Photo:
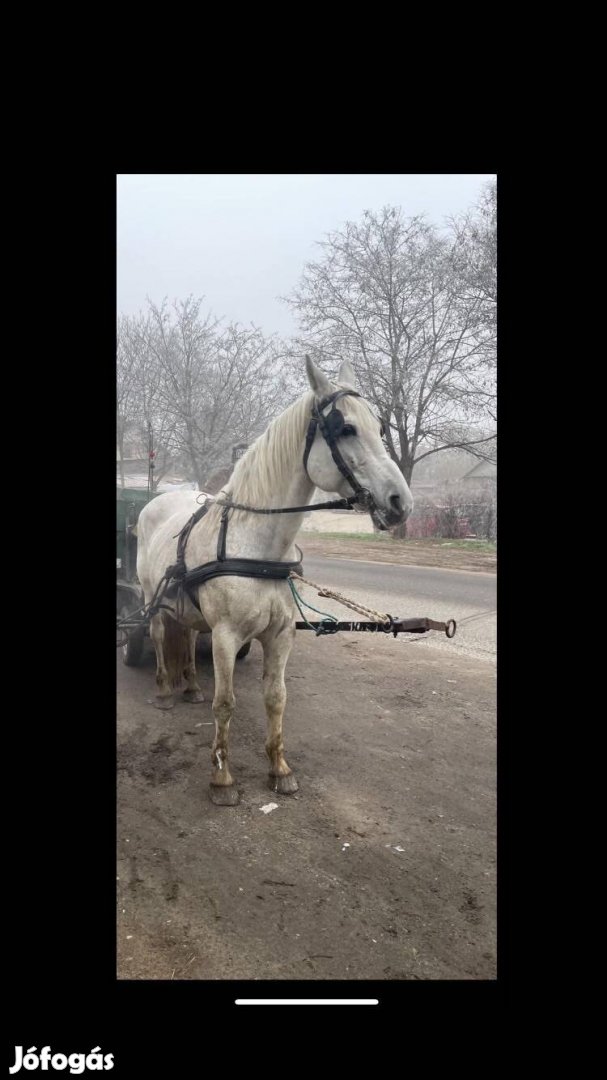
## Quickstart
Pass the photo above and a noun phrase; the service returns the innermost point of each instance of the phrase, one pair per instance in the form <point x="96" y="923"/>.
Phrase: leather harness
<point x="177" y="577"/>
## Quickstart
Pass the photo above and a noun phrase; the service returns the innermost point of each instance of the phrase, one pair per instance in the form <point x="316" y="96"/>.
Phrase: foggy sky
<point x="241" y="240"/>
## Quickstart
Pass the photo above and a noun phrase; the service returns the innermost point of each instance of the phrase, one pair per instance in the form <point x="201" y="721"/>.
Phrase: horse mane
<point x="268" y="464"/>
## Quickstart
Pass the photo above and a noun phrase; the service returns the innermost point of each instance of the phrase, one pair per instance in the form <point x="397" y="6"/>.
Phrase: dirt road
<point x="381" y="867"/>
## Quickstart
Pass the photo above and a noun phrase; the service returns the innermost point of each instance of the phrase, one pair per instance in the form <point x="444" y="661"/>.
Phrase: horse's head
<point x="344" y="449"/>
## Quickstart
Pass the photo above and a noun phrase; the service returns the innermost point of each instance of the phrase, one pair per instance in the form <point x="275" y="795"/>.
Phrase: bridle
<point x="331" y="427"/>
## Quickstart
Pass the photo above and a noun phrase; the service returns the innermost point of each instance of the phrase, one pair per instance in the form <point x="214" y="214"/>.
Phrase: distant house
<point x="426" y="492"/>
<point x="481" y="477"/>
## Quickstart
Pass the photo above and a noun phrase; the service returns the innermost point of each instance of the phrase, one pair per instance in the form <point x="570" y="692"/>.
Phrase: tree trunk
<point x="399" y="532"/>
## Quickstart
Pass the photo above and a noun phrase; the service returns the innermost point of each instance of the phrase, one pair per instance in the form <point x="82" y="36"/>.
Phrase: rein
<point x="334" y="504"/>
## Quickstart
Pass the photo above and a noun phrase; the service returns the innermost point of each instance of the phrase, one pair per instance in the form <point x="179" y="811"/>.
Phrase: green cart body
<point x="129" y="594"/>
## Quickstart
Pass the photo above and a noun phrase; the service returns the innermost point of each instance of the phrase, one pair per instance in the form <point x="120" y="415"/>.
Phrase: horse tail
<point x="175" y="647"/>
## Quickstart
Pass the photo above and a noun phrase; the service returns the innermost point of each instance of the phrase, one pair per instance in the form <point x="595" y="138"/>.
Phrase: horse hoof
<point x="193" y="696"/>
<point x="224" y="795"/>
<point x="284" y="785"/>
<point x="164" y="703"/>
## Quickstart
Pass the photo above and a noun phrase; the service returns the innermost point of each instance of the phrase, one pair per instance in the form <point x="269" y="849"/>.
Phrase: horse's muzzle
<point x="389" y="517"/>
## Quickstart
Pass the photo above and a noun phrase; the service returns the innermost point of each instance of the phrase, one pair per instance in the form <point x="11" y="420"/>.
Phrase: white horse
<point x="281" y="468"/>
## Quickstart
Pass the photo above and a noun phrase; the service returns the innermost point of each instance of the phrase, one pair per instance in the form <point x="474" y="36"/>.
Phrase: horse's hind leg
<point x="223" y="790"/>
<point x="192" y="691"/>
<point x="164" y="692"/>
<point x="276" y="650"/>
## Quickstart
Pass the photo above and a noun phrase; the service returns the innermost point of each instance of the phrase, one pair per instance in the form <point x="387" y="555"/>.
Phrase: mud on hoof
<point x="284" y="785"/>
<point x="224" y="794"/>
<point x="164" y="702"/>
<point x="193" y="696"/>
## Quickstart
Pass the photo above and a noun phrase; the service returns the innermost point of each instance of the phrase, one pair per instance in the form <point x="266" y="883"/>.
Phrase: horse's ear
<point x="318" y="381"/>
<point x="346" y="375"/>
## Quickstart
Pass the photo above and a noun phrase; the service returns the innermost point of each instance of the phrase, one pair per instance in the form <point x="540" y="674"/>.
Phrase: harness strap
<point x="330" y="439"/>
<point x="317" y="417"/>
<point x="182" y="538"/>
<point x="333" y="504"/>
<point x="251" y="568"/>
<point x="223" y="534"/>
<point x="178" y="578"/>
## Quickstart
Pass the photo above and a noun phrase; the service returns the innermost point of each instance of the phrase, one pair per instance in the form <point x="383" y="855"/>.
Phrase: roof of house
<point x="481" y="470"/>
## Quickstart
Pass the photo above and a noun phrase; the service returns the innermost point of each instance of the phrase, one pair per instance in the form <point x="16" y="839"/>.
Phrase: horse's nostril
<point x="400" y="507"/>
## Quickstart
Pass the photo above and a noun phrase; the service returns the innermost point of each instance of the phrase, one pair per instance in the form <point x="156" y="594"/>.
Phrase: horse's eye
<point x="349" y="429"/>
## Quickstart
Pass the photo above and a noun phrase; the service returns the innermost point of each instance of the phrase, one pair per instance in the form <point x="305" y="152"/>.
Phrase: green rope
<point x="297" y="598"/>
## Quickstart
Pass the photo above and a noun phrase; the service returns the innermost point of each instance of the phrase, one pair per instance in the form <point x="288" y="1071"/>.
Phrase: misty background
<point x="225" y="281"/>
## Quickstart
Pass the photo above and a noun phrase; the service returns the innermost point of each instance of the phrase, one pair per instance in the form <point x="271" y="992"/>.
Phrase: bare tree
<point x="123" y="390"/>
<point x="128" y="384"/>
<point x="474" y="261"/>
<point x="474" y="253"/>
<point x="388" y="294"/>
<point x="139" y="397"/>
<point x="203" y="387"/>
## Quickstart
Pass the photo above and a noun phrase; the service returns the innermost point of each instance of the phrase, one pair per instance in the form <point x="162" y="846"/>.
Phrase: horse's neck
<point x="270" y="536"/>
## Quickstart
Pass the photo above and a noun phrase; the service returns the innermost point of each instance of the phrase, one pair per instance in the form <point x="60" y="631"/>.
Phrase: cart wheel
<point x="132" y="650"/>
<point x="240" y="655"/>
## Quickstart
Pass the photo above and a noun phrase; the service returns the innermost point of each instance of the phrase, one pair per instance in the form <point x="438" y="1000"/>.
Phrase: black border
<point x="62" y="948"/>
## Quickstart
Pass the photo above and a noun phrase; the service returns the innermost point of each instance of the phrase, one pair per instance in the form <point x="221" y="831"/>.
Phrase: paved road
<point x="409" y="591"/>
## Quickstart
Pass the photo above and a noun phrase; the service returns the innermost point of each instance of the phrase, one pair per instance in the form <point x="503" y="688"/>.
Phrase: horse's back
<point x="158" y="524"/>
<point x="164" y="507"/>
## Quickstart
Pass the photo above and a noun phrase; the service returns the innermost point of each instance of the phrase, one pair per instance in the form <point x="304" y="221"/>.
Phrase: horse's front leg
<point x="225" y="646"/>
<point x="276" y="651"/>
<point x="192" y="691"/>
